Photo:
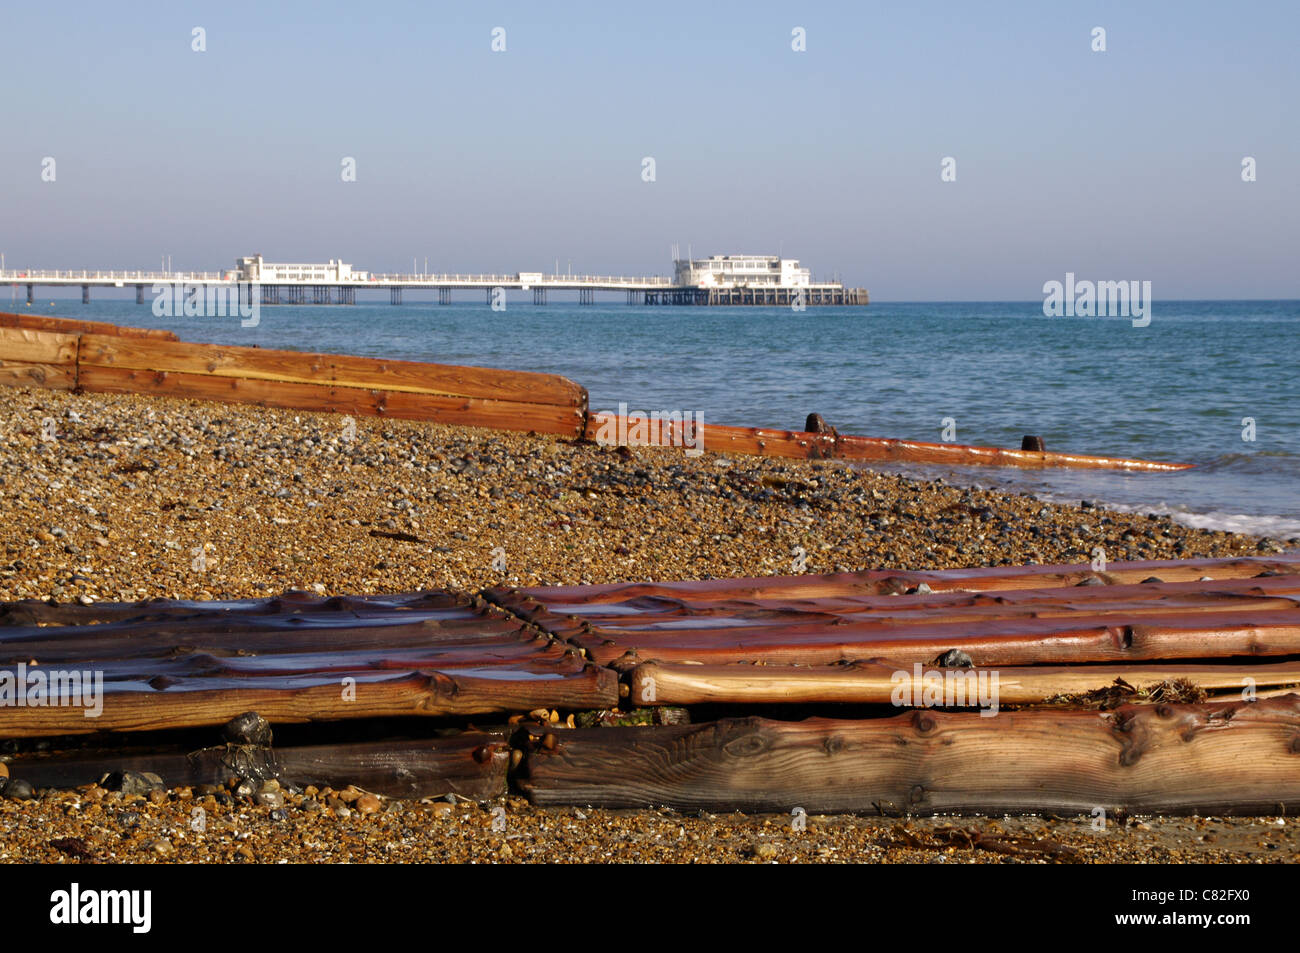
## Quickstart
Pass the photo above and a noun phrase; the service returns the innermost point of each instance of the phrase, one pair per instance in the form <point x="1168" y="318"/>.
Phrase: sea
<point x="1211" y="383"/>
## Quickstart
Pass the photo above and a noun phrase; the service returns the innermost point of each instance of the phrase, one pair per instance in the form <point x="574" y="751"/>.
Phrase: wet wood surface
<point x="884" y="683"/>
<point x="1135" y="612"/>
<point x="177" y="665"/>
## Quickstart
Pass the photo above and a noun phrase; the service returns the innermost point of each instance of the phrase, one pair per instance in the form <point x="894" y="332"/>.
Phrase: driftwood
<point x="556" y="599"/>
<point x="294" y="601"/>
<point x="874" y="683"/>
<point x="138" y="706"/>
<point x="1208" y="759"/>
<point x="291" y="659"/>
<point x="1049" y="641"/>
<point x="471" y="764"/>
<point x="1012" y="616"/>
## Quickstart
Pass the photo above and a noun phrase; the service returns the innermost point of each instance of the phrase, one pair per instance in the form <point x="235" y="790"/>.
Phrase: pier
<point x="337" y="283"/>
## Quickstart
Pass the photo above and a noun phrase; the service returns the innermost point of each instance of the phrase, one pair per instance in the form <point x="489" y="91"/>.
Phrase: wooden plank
<point x="522" y="387"/>
<point x="1238" y="758"/>
<point x="612" y="430"/>
<point x="49" y="376"/>
<point x="470" y="764"/>
<point x="999" y="642"/>
<point x="423" y="694"/>
<point x="470" y="412"/>
<point x="231" y="634"/>
<point x="294" y="658"/>
<point x="37" y="347"/>
<point x="870" y="683"/>
<point x="45" y="322"/>
<point x="804" y="445"/>
<point x="291" y="602"/>
<point x="913" y="451"/>
<point x="667" y="618"/>
<point x="557" y="599"/>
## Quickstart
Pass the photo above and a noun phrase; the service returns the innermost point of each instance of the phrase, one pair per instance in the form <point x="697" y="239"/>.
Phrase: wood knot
<point x="923" y="722"/>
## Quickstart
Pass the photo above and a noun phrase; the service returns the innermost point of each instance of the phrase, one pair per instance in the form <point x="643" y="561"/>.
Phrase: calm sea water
<point x="1175" y="390"/>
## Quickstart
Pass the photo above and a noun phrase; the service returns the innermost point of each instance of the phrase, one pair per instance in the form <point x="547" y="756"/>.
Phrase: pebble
<point x="19" y="790"/>
<point x="272" y="799"/>
<point x="584" y="512"/>
<point x="250" y="728"/>
<point x="130" y="783"/>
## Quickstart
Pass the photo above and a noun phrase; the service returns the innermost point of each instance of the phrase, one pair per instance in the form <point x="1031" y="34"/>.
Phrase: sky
<point x="1122" y="164"/>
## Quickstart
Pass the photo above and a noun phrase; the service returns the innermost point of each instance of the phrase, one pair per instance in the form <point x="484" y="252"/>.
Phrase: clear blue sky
<point x="1117" y="165"/>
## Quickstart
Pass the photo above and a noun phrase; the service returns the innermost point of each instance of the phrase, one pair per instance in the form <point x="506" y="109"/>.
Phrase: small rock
<point x="954" y="658"/>
<point x="131" y="782"/>
<point x="250" y="728"/>
<point x="443" y="809"/>
<point x="19" y="790"/>
<point x="162" y="847"/>
<point x="367" y="804"/>
<point x="764" y="850"/>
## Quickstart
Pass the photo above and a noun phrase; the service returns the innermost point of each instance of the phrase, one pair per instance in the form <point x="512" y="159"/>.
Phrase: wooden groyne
<point x="1153" y="687"/>
<point x="39" y="351"/>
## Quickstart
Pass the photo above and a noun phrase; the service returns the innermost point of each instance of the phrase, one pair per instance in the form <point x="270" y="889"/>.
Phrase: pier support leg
<point x="539" y="295"/>
<point x="85" y="294"/>
<point x="395" y="296"/>
<point x="139" y="294"/>
<point x="444" y="296"/>
<point x="29" y="294"/>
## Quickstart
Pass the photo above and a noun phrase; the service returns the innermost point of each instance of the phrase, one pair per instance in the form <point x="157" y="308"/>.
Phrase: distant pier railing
<point x="650" y="290"/>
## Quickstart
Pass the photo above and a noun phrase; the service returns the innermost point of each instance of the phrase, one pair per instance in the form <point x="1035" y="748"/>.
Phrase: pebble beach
<point x="108" y="497"/>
